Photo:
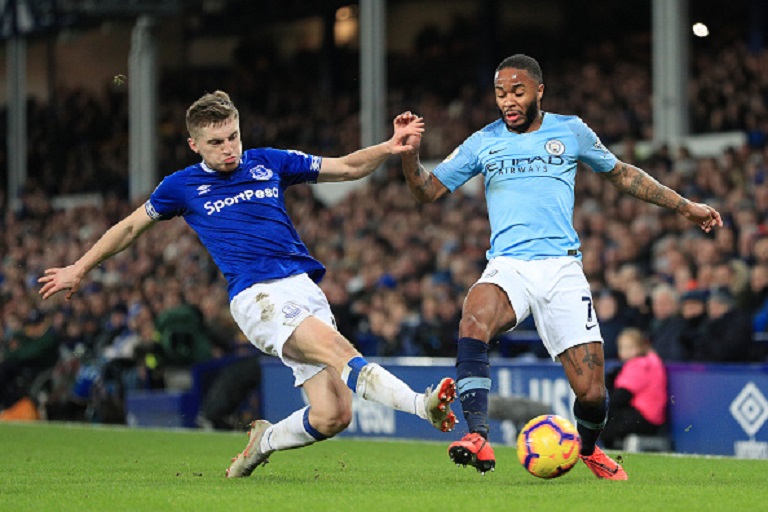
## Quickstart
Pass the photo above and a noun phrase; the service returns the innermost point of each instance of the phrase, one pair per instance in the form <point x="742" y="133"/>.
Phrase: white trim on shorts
<point x="269" y="312"/>
<point x="555" y="291"/>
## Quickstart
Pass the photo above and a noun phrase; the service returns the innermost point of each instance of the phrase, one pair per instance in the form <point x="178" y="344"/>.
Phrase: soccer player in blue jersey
<point x="528" y="160"/>
<point x="234" y="201"/>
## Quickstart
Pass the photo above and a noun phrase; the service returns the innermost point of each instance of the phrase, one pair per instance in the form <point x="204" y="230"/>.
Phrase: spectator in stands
<point x="639" y="394"/>
<point x="667" y="325"/>
<point x="757" y="302"/>
<point x="626" y="280"/>
<point x="732" y="275"/>
<point x="726" y="334"/>
<point x="380" y="336"/>
<point x="32" y="348"/>
<point x="183" y="335"/>
<point x="434" y="332"/>
<point x="693" y="309"/>
<point x="235" y="195"/>
<point x="639" y="311"/>
<point x="610" y="308"/>
<point x="114" y="339"/>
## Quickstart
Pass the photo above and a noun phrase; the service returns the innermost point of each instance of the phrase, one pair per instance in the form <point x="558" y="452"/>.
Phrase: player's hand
<point x="59" y="279"/>
<point x="408" y="131"/>
<point x="703" y="215"/>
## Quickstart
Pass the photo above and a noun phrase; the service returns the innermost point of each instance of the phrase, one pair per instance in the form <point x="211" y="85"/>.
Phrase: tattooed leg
<point x="584" y="366"/>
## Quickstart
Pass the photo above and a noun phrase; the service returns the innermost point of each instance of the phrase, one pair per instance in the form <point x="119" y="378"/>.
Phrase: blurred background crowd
<point x="397" y="271"/>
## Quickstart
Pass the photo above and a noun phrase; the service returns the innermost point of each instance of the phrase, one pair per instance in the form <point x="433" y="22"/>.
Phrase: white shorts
<point x="269" y="312"/>
<point x="555" y="291"/>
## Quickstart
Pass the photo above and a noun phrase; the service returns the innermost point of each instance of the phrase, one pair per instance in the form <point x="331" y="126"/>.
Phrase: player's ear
<point x="540" y="91"/>
<point x="192" y="145"/>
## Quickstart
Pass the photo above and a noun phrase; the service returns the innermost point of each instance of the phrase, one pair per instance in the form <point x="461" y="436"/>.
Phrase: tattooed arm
<point x="424" y="186"/>
<point x="638" y="183"/>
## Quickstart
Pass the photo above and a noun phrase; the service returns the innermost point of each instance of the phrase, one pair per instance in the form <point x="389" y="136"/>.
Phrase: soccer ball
<point x="548" y="446"/>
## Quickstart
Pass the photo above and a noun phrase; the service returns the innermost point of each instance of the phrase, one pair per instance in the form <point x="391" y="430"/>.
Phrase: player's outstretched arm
<point x="114" y="240"/>
<point x="636" y="182"/>
<point x="363" y="162"/>
<point x="423" y="185"/>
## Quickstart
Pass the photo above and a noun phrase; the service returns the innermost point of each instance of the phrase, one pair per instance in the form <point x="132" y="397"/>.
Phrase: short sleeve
<point x="168" y="199"/>
<point x="295" y="166"/>
<point x="591" y="150"/>
<point x="461" y="165"/>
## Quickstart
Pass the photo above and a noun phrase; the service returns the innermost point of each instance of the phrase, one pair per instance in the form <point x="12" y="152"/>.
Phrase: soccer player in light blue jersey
<point x="528" y="160"/>
<point x="234" y="201"/>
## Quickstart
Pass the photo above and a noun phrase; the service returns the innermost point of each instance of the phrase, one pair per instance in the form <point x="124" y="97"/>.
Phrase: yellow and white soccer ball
<point x="548" y="446"/>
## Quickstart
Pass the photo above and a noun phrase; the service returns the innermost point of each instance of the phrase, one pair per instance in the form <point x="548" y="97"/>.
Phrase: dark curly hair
<point x="524" y="62"/>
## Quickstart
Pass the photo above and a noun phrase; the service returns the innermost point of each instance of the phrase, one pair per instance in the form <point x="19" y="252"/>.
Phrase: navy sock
<point x="590" y="422"/>
<point x="473" y="381"/>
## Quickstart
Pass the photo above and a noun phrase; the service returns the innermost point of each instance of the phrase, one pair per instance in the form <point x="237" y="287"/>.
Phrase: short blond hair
<point x="637" y="338"/>
<point x="210" y="109"/>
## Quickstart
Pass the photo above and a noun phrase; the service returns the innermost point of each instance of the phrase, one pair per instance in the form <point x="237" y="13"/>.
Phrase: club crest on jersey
<point x="599" y="146"/>
<point x="291" y="310"/>
<point x="261" y="173"/>
<point x="554" y="147"/>
<point x="203" y="189"/>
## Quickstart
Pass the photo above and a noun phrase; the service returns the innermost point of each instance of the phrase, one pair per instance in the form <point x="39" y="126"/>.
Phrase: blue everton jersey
<point x="240" y="216"/>
<point x="529" y="182"/>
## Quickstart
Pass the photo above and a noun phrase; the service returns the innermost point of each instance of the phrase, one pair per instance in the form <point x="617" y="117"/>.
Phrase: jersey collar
<point x="207" y="169"/>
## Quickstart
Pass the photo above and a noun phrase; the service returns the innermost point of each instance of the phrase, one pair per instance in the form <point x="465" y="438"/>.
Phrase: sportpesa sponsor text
<point x="216" y="206"/>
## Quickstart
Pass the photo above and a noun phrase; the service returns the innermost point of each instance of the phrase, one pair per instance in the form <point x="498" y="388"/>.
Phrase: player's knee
<point x="333" y="422"/>
<point x="338" y="424"/>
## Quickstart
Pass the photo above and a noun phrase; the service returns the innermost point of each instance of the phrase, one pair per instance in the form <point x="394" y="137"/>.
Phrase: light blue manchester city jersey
<point x="529" y="182"/>
<point x="240" y="216"/>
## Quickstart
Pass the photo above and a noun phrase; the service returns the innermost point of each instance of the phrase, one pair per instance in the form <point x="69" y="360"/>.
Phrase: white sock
<point x="376" y="384"/>
<point x="291" y="432"/>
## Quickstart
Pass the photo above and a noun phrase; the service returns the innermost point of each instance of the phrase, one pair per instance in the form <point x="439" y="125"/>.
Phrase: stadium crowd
<point x="397" y="271"/>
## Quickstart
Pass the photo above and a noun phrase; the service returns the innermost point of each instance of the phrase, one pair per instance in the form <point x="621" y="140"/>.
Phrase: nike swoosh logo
<point x="612" y="471"/>
<point x="492" y="152"/>
<point x="590" y="327"/>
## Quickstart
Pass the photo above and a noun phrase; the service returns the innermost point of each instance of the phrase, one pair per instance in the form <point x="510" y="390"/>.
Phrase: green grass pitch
<point x="81" y="468"/>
